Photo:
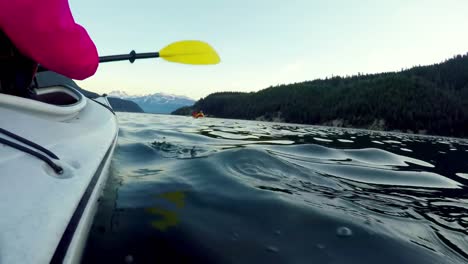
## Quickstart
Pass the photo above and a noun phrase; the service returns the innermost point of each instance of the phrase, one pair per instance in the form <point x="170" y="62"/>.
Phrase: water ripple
<point x="231" y="191"/>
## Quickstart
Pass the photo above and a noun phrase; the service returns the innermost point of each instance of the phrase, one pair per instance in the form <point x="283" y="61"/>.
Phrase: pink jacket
<point x="45" y="31"/>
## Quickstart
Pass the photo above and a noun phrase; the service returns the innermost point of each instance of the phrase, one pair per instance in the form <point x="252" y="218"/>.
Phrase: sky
<point x="264" y="43"/>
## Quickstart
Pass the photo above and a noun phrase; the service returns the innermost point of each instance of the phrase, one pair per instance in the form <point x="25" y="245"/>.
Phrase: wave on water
<point x="230" y="191"/>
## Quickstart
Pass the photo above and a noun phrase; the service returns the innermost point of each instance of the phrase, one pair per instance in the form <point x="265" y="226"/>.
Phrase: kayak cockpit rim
<point x="58" y="95"/>
<point x="55" y="101"/>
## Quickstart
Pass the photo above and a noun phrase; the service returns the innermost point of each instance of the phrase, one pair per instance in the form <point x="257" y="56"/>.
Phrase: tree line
<point x="431" y="99"/>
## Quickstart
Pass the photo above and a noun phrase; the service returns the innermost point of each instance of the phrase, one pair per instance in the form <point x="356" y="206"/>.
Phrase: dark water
<point x="227" y="191"/>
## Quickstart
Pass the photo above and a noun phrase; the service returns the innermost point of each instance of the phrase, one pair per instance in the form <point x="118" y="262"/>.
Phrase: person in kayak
<point x="196" y="114"/>
<point x="42" y="32"/>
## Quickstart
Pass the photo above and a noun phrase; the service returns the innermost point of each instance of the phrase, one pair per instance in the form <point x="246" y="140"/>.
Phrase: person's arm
<point x="46" y="32"/>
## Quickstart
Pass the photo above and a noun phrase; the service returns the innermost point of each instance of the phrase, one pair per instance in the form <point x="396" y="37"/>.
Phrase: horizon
<point x="271" y="43"/>
<point x="311" y="80"/>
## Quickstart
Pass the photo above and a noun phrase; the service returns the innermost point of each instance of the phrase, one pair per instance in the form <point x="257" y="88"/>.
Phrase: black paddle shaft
<point x="132" y="56"/>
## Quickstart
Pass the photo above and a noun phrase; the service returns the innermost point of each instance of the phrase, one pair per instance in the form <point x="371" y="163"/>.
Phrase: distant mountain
<point x="122" y="105"/>
<point x="425" y="99"/>
<point x="50" y="78"/>
<point x="158" y="103"/>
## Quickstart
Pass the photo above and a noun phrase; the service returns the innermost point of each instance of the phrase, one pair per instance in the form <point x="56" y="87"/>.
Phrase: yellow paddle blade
<point x="190" y="52"/>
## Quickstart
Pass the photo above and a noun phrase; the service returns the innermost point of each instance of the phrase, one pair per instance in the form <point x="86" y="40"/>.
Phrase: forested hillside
<point x="426" y="99"/>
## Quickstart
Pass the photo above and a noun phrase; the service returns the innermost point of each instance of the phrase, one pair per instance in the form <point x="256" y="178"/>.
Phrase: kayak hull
<point x="80" y="234"/>
<point x="46" y="216"/>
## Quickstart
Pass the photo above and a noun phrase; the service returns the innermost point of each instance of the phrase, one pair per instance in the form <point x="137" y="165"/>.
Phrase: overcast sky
<point x="268" y="42"/>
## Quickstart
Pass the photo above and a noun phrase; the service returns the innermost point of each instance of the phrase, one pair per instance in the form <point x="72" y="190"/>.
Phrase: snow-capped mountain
<point x="118" y="94"/>
<point x="158" y="103"/>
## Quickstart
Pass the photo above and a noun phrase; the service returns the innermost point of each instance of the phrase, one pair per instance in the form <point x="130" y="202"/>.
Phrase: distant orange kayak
<point x="198" y="115"/>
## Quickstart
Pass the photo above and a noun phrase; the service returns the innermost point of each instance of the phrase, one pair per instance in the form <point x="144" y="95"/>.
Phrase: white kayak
<point x="48" y="199"/>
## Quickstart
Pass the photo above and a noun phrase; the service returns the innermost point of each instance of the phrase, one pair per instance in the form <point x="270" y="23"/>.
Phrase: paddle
<point x="187" y="52"/>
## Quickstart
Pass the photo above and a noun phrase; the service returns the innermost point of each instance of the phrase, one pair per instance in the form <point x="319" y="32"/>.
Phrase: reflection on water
<point x="168" y="217"/>
<point x="230" y="191"/>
